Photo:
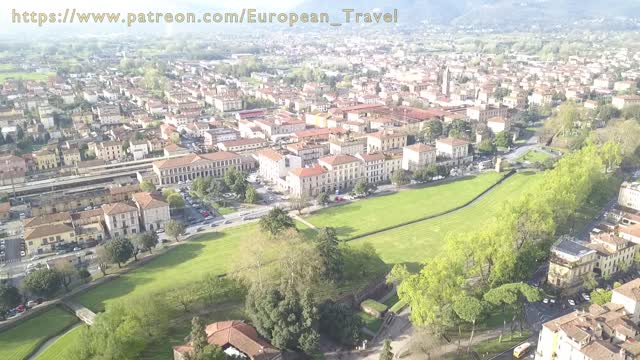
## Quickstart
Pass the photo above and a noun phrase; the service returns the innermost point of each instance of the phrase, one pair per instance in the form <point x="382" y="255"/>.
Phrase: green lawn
<point x="493" y="347"/>
<point x="24" y="76"/>
<point x="210" y="253"/>
<point x="18" y="342"/>
<point x="62" y="347"/>
<point x="533" y="156"/>
<point x="370" y="322"/>
<point x="382" y="211"/>
<point x="414" y="243"/>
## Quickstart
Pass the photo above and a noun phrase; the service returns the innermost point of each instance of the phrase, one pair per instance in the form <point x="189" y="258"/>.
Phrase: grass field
<point x="414" y="243"/>
<point x="382" y="211"/>
<point x="18" y="342"/>
<point x="61" y="348"/>
<point x="370" y="322"/>
<point x="533" y="156"/>
<point x="23" y="76"/>
<point x="210" y="253"/>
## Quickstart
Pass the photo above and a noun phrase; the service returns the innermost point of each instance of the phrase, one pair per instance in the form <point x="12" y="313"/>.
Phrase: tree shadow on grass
<point x="96" y="298"/>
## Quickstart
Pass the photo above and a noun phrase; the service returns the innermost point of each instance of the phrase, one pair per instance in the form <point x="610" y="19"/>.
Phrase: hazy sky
<point x="122" y="6"/>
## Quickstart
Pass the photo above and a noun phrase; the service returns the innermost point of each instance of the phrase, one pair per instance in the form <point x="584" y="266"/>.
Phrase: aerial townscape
<point x="462" y="182"/>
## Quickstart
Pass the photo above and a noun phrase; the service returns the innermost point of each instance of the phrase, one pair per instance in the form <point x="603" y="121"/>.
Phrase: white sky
<point x="125" y="6"/>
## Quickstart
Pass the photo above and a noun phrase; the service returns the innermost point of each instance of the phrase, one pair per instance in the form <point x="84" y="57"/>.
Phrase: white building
<point x="274" y="167"/>
<point x="417" y="156"/>
<point x="121" y="219"/>
<point x="629" y="195"/>
<point x="153" y="210"/>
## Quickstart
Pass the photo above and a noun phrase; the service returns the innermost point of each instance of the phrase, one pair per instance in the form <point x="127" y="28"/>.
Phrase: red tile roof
<point x="307" y="172"/>
<point x="240" y="336"/>
<point x="117" y="208"/>
<point x="421" y="148"/>
<point x="147" y="200"/>
<point x="338" y="159"/>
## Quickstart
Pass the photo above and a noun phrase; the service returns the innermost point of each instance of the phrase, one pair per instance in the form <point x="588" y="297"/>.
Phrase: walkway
<point x="299" y="218"/>
<point x="83" y="313"/>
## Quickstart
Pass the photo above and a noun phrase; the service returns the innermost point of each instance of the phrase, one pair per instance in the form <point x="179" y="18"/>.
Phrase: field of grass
<point x="370" y="322"/>
<point x="414" y="243"/>
<point x="382" y="211"/>
<point x="23" y="76"/>
<point x="18" y="342"/>
<point x="209" y="253"/>
<point x="61" y="348"/>
<point x="533" y="156"/>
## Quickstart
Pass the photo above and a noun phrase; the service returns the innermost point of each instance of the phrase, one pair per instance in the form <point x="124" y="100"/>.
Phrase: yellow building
<point x="46" y="238"/>
<point x="71" y="156"/>
<point x="45" y="160"/>
<point x="569" y="264"/>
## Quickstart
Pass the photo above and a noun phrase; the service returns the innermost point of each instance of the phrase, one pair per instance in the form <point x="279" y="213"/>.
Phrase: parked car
<point x="545" y="301"/>
<point x="571" y="302"/>
<point x="21" y="308"/>
<point x="31" y="303"/>
<point x="586" y="297"/>
<point x="77" y="248"/>
<point x="61" y="252"/>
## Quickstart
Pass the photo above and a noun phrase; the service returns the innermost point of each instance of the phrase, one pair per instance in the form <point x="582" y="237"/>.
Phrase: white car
<point x="571" y="302"/>
<point x="553" y="301"/>
<point x="586" y="297"/>
<point x="545" y="301"/>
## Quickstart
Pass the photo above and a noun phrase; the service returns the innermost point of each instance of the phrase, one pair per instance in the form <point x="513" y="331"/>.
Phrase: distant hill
<point x="488" y="13"/>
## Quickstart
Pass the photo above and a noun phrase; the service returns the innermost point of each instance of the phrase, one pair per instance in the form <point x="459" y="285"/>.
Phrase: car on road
<point x="227" y="222"/>
<point x="61" y="252"/>
<point x="571" y="302"/>
<point x="31" y="303"/>
<point x="213" y="225"/>
<point x="586" y="297"/>
<point x="77" y="248"/>
<point x="553" y="301"/>
<point x="545" y="301"/>
<point x="23" y="253"/>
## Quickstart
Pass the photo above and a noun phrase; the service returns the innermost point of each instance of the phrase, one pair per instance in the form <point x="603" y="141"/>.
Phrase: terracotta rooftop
<point x="147" y="200"/>
<point x="338" y="159"/>
<point x="420" y="148"/>
<point x="270" y="154"/>
<point x="46" y="230"/>
<point x="47" y="219"/>
<point x="239" y="335"/>
<point x="5" y="207"/>
<point x="452" y="142"/>
<point x="630" y="289"/>
<point x="306" y="172"/>
<point x="117" y="208"/>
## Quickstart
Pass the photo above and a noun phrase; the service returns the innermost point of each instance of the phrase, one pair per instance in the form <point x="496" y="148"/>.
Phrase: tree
<point x="590" y="282"/>
<point x="606" y="112"/>
<point x="361" y="187"/>
<point x="175" y="200"/>
<point x="631" y="112"/>
<point x="468" y="309"/>
<point x="145" y="241"/>
<point x="251" y="195"/>
<point x="340" y="323"/>
<point x="120" y="250"/>
<point x="514" y="295"/>
<point x="284" y="316"/>
<point x="601" y="296"/>
<point x="102" y="258"/>
<point x="330" y="253"/>
<point x="147" y="186"/>
<point x="386" y="353"/>
<point x="67" y="272"/>
<point x="487" y="147"/>
<point x="174" y="229"/>
<point x="298" y="203"/>
<point x="43" y="282"/>
<point x="432" y="130"/>
<point x="9" y="297"/>
<point x="400" y="177"/>
<point x="276" y="221"/>
<point x="503" y="139"/>
<point x="202" y="350"/>
<point x="323" y="198"/>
